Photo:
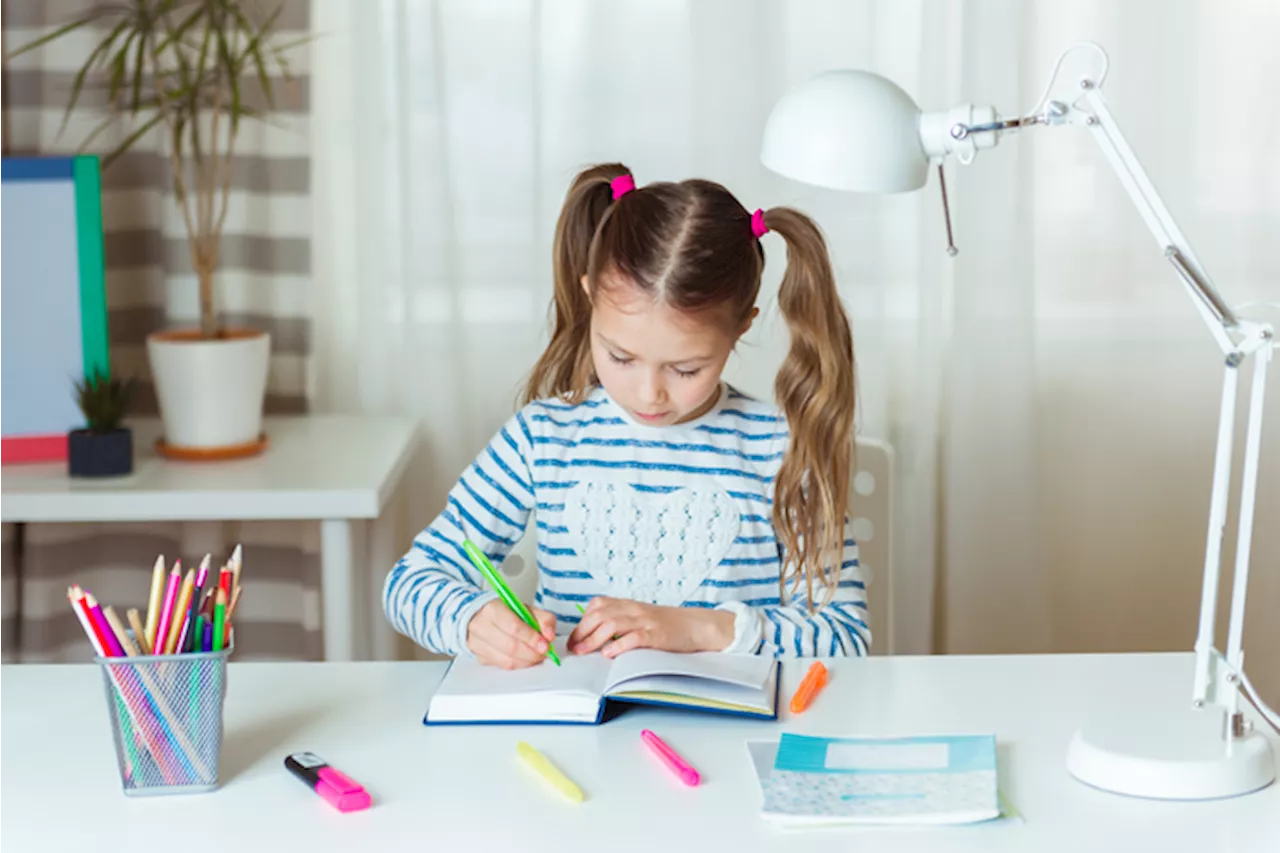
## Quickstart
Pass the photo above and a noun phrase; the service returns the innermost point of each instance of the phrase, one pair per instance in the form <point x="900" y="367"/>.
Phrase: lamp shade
<point x="847" y="130"/>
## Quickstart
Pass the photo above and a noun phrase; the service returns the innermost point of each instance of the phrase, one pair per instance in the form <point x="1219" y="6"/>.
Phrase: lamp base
<point x="1170" y="755"/>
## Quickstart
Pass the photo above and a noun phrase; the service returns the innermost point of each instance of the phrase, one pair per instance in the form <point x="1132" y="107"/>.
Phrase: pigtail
<point x="564" y="369"/>
<point x="815" y="388"/>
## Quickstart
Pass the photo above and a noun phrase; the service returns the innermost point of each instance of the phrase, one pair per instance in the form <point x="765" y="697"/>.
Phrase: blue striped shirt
<point x="678" y="515"/>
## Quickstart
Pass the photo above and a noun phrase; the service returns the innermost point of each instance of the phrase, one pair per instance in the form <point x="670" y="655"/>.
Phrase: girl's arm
<point x="793" y="630"/>
<point x="433" y="591"/>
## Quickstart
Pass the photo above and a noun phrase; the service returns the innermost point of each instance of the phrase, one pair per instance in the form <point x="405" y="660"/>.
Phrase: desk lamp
<point x="854" y="130"/>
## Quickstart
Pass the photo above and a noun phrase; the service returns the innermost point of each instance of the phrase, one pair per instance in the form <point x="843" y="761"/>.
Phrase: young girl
<point x="680" y="513"/>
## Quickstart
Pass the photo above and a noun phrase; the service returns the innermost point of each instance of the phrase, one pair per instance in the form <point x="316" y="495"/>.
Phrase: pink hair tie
<point x="758" y="227"/>
<point x="622" y="185"/>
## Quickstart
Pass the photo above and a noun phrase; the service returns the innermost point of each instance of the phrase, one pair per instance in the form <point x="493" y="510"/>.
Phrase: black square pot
<point x="99" y="454"/>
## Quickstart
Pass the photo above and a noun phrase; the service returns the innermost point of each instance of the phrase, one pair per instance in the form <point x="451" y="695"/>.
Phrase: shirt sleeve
<point x="841" y="628"/>
<point x="433" y="591"/>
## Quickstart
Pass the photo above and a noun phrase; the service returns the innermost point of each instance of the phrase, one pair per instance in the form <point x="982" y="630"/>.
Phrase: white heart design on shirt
<point x="650" y="546"/>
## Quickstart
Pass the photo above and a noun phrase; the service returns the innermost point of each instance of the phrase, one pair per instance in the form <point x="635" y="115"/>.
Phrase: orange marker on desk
<point x="814" y="680"/>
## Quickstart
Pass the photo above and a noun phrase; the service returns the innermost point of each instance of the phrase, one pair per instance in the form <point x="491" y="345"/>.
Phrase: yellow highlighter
<point x="549" y="772"/>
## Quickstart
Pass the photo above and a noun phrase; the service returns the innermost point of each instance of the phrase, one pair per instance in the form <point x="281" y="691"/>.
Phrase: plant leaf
<point x="118" y="63"/>
<point x="103" y="399"/>
<point x="174" y="34"/>
<point x="61" y="31"/>
<point x="131" y="139"/>
<point x="229" y="68"/>
<point x="78" y="84"/>
<point x="138" y="68"/>
<point x="253" y="48"/>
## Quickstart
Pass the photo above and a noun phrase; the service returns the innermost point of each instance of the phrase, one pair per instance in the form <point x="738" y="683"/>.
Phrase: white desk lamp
<point x="853" y="130"/>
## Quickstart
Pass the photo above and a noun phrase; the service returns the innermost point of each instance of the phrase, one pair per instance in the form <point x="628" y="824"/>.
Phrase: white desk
<point x="340" y="470"/>
<point x="462" y="789"/>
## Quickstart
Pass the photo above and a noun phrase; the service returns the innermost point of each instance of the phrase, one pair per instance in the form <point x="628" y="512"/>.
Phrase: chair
<point x="870" y="505"/>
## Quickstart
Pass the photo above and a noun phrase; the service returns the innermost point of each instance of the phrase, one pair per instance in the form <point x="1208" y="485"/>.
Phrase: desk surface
<point x="462" y="788"/>
<point x="315" y="467"/>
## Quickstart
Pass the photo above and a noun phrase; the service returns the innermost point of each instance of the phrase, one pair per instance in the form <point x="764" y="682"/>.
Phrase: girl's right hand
<point x="498" y="637"/>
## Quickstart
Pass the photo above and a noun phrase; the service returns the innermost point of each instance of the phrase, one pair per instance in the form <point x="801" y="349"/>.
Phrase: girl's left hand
<point x="617" y="625"/>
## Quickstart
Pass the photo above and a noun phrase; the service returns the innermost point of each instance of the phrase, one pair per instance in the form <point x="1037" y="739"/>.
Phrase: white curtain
<point x="1049" y="393"/>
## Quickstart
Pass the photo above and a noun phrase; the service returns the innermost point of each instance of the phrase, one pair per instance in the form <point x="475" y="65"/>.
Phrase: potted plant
<point x="104" y="448"/>
<point x="181" y="68"/>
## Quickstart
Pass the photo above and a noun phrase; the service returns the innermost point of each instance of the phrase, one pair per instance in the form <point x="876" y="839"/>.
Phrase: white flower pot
<point x="210" y="391"/>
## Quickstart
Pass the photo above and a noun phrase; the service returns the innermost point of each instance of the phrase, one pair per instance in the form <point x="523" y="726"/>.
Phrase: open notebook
<point x="577" y="691"/>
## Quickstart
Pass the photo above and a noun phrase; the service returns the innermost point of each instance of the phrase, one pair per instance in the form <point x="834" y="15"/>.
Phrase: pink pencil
<point x="166" y="611"/>
<point x="113" y="647"/>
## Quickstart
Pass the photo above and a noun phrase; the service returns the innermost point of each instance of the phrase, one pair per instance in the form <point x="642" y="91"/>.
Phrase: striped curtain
<point x="262" y="282"/>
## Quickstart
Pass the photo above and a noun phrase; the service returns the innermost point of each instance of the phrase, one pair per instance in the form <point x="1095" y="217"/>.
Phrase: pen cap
<point x="344" y="801"/>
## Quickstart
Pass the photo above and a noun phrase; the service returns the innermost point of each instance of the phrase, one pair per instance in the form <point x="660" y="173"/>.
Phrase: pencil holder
<point x="166" y="720"/>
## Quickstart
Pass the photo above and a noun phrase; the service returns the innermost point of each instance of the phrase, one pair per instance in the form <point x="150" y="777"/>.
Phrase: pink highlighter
<point x="669" y="757"/>
<point x="339" y="790"/>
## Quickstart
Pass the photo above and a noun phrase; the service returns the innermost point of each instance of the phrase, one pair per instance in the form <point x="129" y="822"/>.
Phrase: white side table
<point x="341" y="470"/>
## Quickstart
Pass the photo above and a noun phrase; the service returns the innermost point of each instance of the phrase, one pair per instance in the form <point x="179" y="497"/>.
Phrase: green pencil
<point x="219" y="617"/>
<point x="481" y="562"/>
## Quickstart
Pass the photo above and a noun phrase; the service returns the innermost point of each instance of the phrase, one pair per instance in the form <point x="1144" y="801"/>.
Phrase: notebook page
<point x="749" y="671"/>
<point x="472" y="691"/>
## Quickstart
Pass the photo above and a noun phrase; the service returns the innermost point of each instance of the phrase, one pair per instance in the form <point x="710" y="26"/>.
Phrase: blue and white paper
<point x="913" y="780"/>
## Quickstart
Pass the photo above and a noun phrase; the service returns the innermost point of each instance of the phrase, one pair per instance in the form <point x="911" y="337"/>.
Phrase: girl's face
<point x="661" y="365"/>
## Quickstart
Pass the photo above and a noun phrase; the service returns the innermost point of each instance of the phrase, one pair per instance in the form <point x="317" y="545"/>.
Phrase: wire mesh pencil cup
<point x="166" y="720"/>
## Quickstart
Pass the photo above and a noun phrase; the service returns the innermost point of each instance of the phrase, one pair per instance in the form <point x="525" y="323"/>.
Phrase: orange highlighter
<point x="814" y="680"/>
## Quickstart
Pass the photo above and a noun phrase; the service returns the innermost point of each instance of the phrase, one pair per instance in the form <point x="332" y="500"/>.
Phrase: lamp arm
<point x="1214" y="683"/>
<point x="1217" y="315"/>
<point x="966" y="129"/>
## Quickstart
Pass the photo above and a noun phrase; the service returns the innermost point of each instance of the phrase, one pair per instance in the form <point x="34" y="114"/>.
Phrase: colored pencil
<point x="186" y="640"/>
<point x="219" y="620"/>
<point x="76" y="594"/>
<point x="122" y="636"/>
<point x="231" y="610"/>
<point x="153" y="602"/>
<point x="167" y="719"/>
<point x="76" y="597"/>
<point x="139" y="633"/>
<point x="110" y="644"/>
<point x="156" y="740"/>
<point x="166" y="610"/>
<point x="224" y="581"/>
<point x="180" y="608"/>
<point x="237" y="558"/>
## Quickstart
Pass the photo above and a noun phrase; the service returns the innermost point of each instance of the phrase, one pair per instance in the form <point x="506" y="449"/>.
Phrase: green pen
<point x="481" y="562"/>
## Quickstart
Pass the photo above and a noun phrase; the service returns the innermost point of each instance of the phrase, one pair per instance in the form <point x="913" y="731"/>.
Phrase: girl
<point x="684" y="515"/>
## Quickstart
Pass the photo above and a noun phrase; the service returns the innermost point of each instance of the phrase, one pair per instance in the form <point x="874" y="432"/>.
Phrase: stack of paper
<point x="815" y="781"/>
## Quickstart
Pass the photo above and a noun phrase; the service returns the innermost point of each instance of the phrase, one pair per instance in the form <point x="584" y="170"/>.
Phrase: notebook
<point x="578" y="690"/>
<point x="817" y="781"/>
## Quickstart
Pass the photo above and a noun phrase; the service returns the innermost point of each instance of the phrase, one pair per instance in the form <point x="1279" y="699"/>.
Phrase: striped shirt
<point x="676" y="515"/>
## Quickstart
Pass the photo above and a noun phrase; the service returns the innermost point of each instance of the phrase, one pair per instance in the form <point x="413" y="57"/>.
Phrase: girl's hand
<point x="498" y="637"/>
<point x="617" y="625"/>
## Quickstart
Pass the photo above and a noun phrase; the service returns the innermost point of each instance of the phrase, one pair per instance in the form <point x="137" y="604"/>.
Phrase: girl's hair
<point x="693" y="246"/>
